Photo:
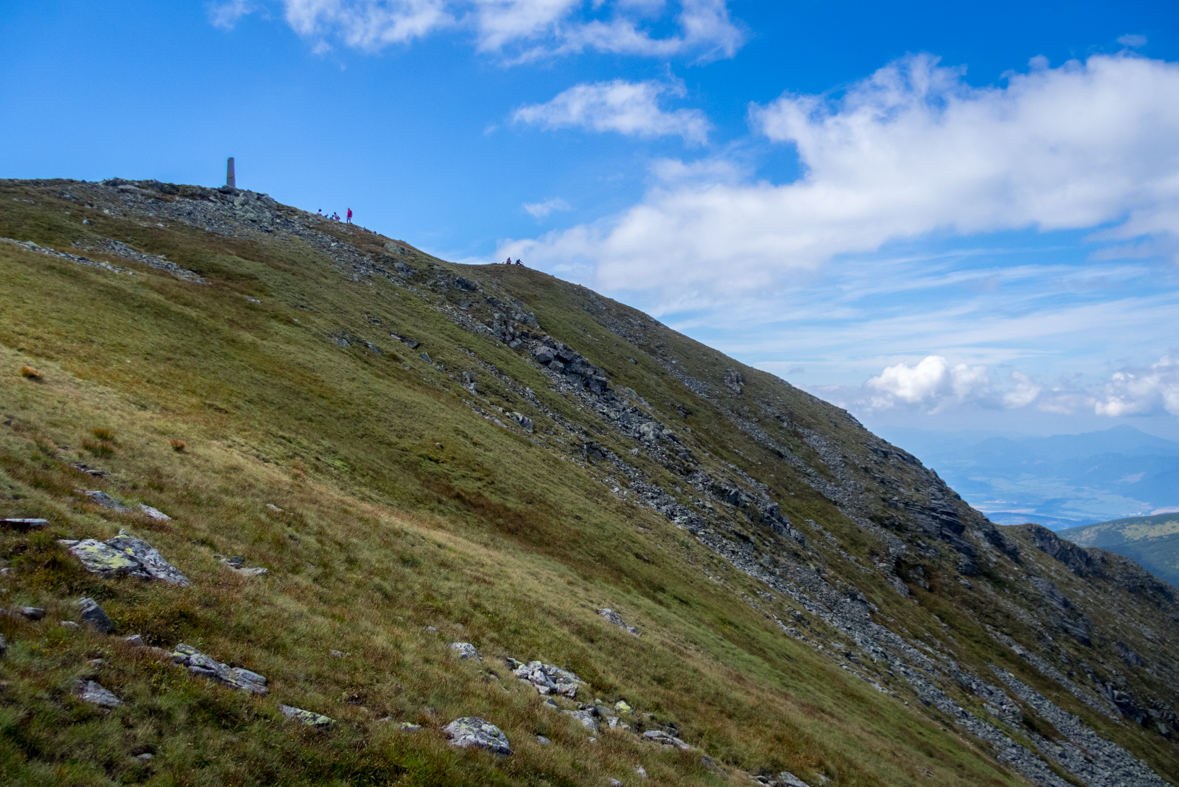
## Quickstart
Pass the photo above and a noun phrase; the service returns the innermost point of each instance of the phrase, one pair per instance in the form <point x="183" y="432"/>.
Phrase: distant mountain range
<point x="1062" y="481"/>
<point x="1151" y="541"/>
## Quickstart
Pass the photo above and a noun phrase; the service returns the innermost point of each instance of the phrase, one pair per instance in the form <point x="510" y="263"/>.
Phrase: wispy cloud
<point x="514" y="30"/>
<point x="225" y="15"/>
<point x="909" y="151"/>
<point x="630" y="108"/>
<point x="542" y="209"/>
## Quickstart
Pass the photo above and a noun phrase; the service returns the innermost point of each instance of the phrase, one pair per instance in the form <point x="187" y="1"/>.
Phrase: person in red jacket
<point x="349" y="215"/>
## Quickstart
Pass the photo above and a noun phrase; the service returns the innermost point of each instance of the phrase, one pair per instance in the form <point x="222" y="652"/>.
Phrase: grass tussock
<point x="29" y="373"/>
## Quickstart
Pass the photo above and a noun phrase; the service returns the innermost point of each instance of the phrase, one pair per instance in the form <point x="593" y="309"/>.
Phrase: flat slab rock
<point x="90" y="691"/>
<point x="477" y="732"/>
<point x="308" y="717"/>
<point x="235" y="677"/>
<point x="126" y="555"/>
<point x="23" y="523"/>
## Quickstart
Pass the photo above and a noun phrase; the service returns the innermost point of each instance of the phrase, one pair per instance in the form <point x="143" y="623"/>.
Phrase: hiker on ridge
<point x="349" y="215"/>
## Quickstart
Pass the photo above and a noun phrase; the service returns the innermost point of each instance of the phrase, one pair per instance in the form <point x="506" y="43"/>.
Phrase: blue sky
<point x="939" y="215"/>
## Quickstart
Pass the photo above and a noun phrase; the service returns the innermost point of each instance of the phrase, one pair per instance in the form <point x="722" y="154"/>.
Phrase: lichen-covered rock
<point x="106" y="561"/>
<point x="235" y="677"/>
<point x="92" y="692"/>
<point x="617" y="620"/>
<point x="152" y="563"/>
<point x="477" y="732"/>
<point x="125" y="555"/>
<point x="310" y="718"/>
<point x="465" y="650"/>
<point x="93" y="616"/>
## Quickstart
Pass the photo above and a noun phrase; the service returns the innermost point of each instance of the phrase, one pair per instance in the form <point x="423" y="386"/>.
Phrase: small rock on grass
<point x="477" y="732"/>
<point x="93" y="616"/>
<point x="617" y="620"/>
<point x="310" y="718"/>
<point x="641" y="771"/>
<point x="154" y="513"/>
<point x="465" y="650"/>
<point x="90" y="691"/>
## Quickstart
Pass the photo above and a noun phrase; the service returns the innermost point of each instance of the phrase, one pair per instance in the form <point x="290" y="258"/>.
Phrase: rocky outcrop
<point x="1093" y="563"/>
<point x="546" y="678"/>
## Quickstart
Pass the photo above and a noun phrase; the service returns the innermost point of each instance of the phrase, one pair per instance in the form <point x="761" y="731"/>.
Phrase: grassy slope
<point x="401" y="509"/>
<point x="1151" y="541"/>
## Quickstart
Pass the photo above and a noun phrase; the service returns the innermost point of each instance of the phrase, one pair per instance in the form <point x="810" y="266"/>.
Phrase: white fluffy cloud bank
<point x="911" y="150"/>
<point x="519" y="30"/>
<point x="630" y="108"/>
<point x="1142" y="391"/>
<point x="934" y="384"/>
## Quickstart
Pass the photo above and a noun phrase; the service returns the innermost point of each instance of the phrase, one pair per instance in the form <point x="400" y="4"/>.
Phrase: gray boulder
<point x="154" y="513"/>
<point x="146" y="555"/>
<point x="586" y="719"/>
<point x="90" y="691"/>
<point x="477" y="732"/>
<point x="103" y="499"/>
<point x="465" y="650"/>
<point x="93" y="616"/>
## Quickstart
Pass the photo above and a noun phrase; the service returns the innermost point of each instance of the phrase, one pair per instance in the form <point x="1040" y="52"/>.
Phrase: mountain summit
<point x="287" y="501"/>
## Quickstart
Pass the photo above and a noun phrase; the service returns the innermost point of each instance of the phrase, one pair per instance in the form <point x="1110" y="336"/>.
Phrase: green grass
<point x="401" y="509"/>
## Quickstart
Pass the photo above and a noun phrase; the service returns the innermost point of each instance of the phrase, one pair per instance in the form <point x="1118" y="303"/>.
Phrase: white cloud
<point x="1132" y="41"/>
<point x="911" y="150"/>
<point x="931" y="382"/>
<point x="366" y="24"/>
<point x="630" y="108"/>
<point x="225" y="15"/>
<point x="542" y="209"/>
<point x="1142" y="391"/>
<point x="518" y="30"/>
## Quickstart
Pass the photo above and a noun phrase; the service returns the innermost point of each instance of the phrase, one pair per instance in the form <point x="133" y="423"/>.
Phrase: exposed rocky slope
<point x="1050" y="663"/>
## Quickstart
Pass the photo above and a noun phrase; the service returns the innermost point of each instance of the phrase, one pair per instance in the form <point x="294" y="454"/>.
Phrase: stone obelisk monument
<point x="230" y="178"/>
